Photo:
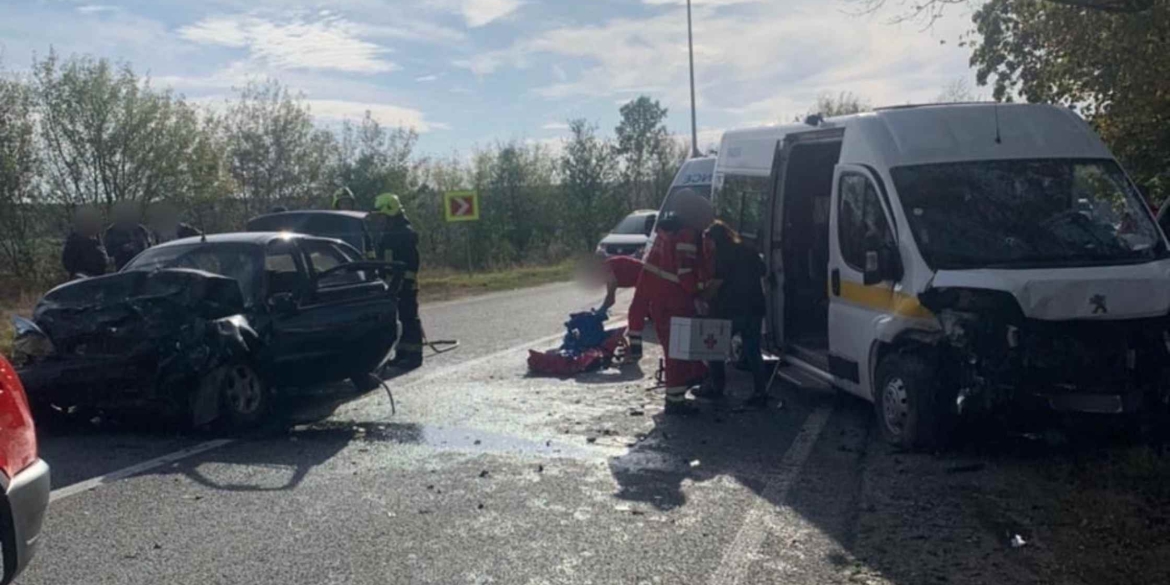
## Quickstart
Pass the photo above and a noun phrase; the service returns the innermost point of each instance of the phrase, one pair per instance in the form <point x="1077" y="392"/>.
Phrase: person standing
<point x="670" y="282"/>
<point x="84" y="255"/>
<point x="165" y="225"/>
<point x="399" y="243"/>
<point x="343" y="200"/>
<point x="624" y="272"/>
<point x="737" y="292"/>
<point x="126" y="237"/>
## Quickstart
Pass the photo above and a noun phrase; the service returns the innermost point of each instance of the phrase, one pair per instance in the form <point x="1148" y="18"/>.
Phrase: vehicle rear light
<point x="18" y="438"/>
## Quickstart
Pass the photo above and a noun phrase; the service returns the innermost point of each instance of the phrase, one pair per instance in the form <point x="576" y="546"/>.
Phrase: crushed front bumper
<point x="25" y="502"/>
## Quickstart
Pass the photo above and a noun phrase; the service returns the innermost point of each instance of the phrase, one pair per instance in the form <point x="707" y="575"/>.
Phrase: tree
<point x="1110" y="66"/>
<point x="842" y="104"/>
<point x="588" y="172"/>
<point x="641" y="138"/>
<point x="19" y="169"/>
<point x="275" y="153"/>
<point x="928" y="11"/>
<point x="372" y="159"/>
<point x="957" y="91"/>
<point x="108" y="136"/>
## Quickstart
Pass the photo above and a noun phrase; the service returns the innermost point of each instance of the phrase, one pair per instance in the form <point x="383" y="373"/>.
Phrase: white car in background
<point x="630" y="236"/>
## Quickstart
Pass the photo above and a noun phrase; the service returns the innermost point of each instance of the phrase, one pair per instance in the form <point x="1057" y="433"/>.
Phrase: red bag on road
<point x="555" y="362"/>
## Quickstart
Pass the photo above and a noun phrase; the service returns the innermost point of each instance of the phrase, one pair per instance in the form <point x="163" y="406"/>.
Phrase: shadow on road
<point x="1088" y="508"/>
<point x="281" y="463"/>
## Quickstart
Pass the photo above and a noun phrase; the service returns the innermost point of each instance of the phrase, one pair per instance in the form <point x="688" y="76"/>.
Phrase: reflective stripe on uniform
<point x="685" y="247"/>
<point x="676" y="394"/>
<point x="660" y="273"/>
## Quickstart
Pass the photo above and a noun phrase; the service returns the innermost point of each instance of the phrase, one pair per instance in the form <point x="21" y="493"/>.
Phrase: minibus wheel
<point x="904" y="399"/>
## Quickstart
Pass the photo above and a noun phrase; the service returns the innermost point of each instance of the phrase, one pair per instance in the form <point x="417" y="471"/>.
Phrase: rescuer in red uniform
<point x="672" y="276"/>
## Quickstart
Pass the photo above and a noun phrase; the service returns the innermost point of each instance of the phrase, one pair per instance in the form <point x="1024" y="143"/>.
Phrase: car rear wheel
<point x="243" y="396"/>
<point x="906" y="402"/>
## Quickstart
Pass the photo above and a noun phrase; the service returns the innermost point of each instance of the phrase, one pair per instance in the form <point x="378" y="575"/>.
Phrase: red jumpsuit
<point x="670" y="284"/>
<point x="626" y="272"/>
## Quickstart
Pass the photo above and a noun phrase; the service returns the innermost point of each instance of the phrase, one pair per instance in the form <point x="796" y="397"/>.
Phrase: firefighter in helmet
<point x="343" y="200"/>
<point x="399" y="243"/>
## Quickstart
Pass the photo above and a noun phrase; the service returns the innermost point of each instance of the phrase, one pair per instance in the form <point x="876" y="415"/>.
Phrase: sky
<point x="468" y="73"/>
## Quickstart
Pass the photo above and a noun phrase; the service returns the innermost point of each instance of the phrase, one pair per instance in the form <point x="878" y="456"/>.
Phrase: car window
<point x="324" y="256"/>
<point x="282" y="270"/>
<point x="861" y="222"/>
<point x="234" y="261"/>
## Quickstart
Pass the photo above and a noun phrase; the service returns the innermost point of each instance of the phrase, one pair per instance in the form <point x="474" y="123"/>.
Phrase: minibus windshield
<point x="1026" y="213"/>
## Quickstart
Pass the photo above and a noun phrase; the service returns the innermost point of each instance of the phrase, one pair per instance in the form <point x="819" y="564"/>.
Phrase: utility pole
<point x="694" y="119"/>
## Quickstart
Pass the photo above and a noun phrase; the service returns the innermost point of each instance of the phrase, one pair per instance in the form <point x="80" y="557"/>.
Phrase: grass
<point x="434" y="285"/>
<point x="21" y="305"/>
<point x="448" y="284"/>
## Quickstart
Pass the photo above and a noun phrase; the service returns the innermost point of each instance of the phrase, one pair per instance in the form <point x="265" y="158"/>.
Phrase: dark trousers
<point x="748" y="328"/>
<point x="411" y="342"/>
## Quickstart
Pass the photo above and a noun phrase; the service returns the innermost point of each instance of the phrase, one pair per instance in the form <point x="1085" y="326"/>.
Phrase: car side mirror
<point x="283" y="303"/>
<point x="882" y="264"/>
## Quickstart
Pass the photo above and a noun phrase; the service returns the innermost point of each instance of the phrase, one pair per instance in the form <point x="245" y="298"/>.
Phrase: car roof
<point x="253" y="238"/>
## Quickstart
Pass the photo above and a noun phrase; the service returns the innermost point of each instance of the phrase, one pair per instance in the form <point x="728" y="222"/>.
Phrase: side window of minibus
<point x="861" y="223"/>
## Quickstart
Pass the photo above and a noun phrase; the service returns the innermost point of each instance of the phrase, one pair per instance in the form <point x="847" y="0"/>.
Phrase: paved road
<point x="487" y="475"/>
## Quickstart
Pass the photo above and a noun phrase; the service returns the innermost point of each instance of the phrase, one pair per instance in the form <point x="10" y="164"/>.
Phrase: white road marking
<point x="95" y="482"/>
<point x="738" y="556"/>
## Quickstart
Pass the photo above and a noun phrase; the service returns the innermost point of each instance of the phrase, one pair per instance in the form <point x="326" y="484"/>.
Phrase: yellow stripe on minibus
<point x="882" y="298"/>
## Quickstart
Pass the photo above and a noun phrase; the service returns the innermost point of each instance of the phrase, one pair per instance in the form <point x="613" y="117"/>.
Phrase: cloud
<point x="386" y="114"/>
<point x="95" y="8"/>
<point x="759" y="60"/>
<point x="558" y="126"/>
<point x="329" y="42"/>
<point x="476" y="13"/>
<point x="426" y="78"/>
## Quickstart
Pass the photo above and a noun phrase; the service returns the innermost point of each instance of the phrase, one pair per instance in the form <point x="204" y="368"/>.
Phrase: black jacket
<point x="181" y="231"/>
<point x="399" y="243"/>
<point x="124" y="244"/>
<point x="742" y="293"/>
<point x="84" y="255"/>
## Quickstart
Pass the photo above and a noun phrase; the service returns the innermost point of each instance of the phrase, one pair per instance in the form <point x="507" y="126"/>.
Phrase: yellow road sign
<point x="461" y="206"/>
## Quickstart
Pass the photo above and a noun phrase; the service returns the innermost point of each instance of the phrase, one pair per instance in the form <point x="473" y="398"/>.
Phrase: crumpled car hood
<point x="1055" y="294"/>
<point x="130" y="312"/>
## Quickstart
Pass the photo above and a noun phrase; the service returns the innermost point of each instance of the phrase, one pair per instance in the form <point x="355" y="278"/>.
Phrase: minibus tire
<point x="906" y="393"/>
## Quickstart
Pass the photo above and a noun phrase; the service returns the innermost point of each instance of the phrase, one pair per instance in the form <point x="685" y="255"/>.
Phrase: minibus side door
<point x="863" y="268"/>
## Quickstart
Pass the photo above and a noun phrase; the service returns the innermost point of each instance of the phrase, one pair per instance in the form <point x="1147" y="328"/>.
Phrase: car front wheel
<point x="906" y="402"/>
<point x="243" y="396"/>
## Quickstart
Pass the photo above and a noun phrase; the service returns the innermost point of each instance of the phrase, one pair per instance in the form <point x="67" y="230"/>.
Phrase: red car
<point x="24" y="477"/>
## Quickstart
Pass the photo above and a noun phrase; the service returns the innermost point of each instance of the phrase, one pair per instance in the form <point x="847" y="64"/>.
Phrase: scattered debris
<point x="1018" y="541"/>
<point x="477" y="441"/>
<point x="540" y="468"/>
<point x="484" y="473"/>
<point x="480" y="506"/>
<point x="424" y="512"/>
<point x="637" y="412"/>
<point x="431" y="487"/>
<point x="390" y="514"/>
<point x="591" y="439"/>
<point x="157" y="546"/>
<point x="695" y="463"/>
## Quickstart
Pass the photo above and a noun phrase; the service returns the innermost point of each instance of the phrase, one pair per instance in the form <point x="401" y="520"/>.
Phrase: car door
<point x="859" y="225"/>
<point x="355" y="309"/>
<point x="295" y="352"/>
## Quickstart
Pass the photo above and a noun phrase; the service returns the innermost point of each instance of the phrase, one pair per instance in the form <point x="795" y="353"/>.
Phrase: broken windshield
<point x="1026" y="213"/>
<point x="236" y="261"/>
